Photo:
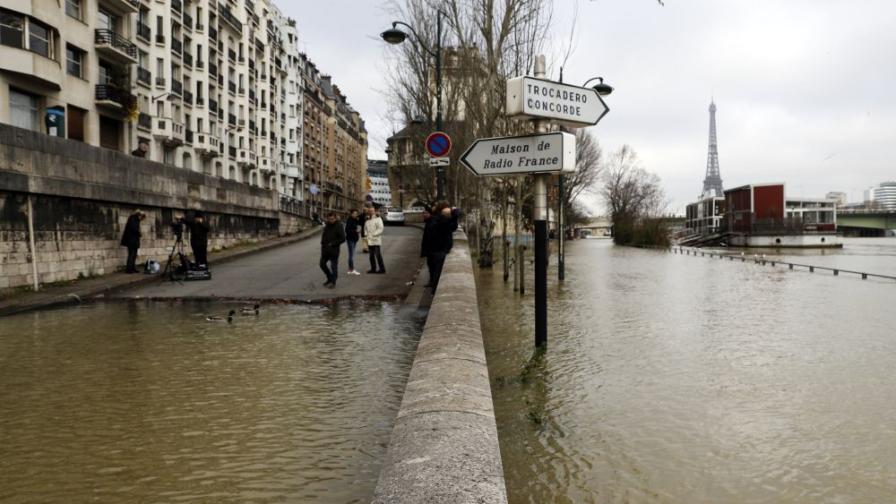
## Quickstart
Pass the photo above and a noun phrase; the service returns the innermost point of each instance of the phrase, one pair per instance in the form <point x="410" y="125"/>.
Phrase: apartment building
<point x="214" y="86"/>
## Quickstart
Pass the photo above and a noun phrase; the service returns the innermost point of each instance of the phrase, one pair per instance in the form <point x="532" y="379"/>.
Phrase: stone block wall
<point x="82" y="196"/>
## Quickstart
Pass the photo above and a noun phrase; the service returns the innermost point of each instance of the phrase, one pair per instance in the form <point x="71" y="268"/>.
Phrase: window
<point x="73" y="8"/>
<point x="39" y="38"/>
<point x="12" y="26"/>
<point x="24" y="110"/>
<point x="74" y="61"/>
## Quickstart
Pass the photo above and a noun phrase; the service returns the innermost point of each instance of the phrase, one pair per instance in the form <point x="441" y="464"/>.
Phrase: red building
<point x="755" y="206"/>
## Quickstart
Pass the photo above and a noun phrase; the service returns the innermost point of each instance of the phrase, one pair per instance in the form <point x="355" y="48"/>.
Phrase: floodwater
<point x="682" y="379"/>
<point x="149" y="402"/>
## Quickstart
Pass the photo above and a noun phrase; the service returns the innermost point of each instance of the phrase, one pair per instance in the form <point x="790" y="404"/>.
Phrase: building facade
<point x="884" y="195"/>
<point x="378" y="183"/>
<point x="213" y="86"/>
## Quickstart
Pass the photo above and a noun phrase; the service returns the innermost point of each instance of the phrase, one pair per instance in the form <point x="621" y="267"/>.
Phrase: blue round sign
<point x="438" y="144"/>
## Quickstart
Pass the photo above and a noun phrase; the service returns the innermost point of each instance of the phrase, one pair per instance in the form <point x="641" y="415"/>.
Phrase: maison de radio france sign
<point x="540" y="153"/>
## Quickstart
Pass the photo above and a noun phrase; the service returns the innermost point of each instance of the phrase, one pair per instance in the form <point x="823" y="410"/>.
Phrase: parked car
<point x="393" y="215"/>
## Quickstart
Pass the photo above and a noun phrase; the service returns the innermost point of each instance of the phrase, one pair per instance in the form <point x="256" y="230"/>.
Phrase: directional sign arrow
<point x="528" y="97"/>
<point x="522" y="155"/>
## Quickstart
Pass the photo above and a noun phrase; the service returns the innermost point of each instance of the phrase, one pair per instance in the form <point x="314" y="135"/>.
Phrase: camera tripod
<point x="177" y="250"/>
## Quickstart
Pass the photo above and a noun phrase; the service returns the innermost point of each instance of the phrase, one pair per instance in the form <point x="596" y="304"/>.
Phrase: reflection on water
<point x="152" y="403"/>
<point x="676" y="379"/>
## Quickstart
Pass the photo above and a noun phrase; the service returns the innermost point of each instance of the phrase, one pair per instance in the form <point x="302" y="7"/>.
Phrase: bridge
<point x="866" y="222"/>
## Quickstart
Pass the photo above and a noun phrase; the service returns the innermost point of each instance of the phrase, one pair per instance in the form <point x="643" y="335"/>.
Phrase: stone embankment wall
<point x="444" y="447"/>
<point x="81" y="197"/>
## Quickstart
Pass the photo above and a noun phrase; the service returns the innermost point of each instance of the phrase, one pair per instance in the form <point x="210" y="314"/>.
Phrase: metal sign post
<point x="438" y="145"/>
<point x="540" y="216"/>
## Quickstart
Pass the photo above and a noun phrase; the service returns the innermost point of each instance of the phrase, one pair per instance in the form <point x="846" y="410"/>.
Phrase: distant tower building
<point x="712" y="184"/>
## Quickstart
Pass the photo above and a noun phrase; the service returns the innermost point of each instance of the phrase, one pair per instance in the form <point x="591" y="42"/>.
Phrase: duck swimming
<point x="245" y="310"/>
<point x="215" y="318"/>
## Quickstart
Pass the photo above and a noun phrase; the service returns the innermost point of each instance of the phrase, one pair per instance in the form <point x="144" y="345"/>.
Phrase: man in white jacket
<point x="373" y="232"/>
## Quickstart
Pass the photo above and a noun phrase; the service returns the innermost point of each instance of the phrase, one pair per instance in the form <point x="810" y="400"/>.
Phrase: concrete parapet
<point x="444" y="448"/>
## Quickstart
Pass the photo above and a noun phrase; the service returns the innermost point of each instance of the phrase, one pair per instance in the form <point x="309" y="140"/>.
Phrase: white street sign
<point x="439" y="161"/>
<point x="522" y="155"/>
<point x="528" y="97"/>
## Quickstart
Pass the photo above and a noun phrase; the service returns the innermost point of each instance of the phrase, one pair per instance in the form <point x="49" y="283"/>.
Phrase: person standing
<point x="425" y="242"/>
<point x="199" y="239"/>
<point x="130" y="238"/>
<point x="373" y="231"/>
<point x="441" y="238"/>
<point x="352" y="235"/>
<point x="330" y="240"/>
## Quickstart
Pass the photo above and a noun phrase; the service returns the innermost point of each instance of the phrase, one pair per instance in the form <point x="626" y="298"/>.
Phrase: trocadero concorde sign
<point x="528" y="97"/>
<point x="522" y="155"/>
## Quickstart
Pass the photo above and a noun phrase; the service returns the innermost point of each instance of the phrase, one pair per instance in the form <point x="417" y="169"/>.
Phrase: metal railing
<point x="144" y="76"/>
<point x="177" y="46"/>
<point x="144" y="121"/>
<point x="188" y="59"/>
<point x="294" y="206"/>
<point x="773" y="261"/>
<point x="116" y="40"/>
<point x="176" y="6"/>
<point x="144" y="31"/>
<point x="109" y="92"/>
<point x="228" y="16"/>
<point x="177" y="87"/>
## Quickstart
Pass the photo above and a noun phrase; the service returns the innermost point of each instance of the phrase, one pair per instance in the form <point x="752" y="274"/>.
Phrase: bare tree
<point x="634" y="197"/>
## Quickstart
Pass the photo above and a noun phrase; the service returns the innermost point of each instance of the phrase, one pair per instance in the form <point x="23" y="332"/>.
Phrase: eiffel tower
<point x="712" y="184"/>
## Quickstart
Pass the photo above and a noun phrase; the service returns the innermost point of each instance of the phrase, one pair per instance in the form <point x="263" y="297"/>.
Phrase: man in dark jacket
<point x="425" y="242"/>
<point x="352" y="235"/>
<point x="130" y="238"/>
<point x="441" y="240"/>
<point x="330" y="240"/>
<point x="199" y="239"/>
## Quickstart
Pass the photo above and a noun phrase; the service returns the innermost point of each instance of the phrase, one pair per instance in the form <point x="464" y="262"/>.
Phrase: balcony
<point x="177" y="47"/>
<point x="122" y="7"/>
<point x="200" y="101"/>
<point x="160" y="82"/>
<point x="213" y="106"/>
<point x="206" y="144"/>
<point x="177" y="6"/>
<point x="160" y="39"/>
<point x="241" y="91"/>
<point x="188" y="136"/>
<point x="200" y="64"/>
<point x="115" y="47"/>
<point x="114" y="97"/>
<point x="199" y="27"/>
<point x="177" y="87"/>
<point x="213" y="70"/>
<point x="230" y="19"/>
<point x="144" y="121"/>
<point x="212" y="33"/>
<point x="144" y="32"/>
<point x="251" y="95"/>
<point x="144" y="76"/>
<point x="241" y="123"/>
<point x="231" y="86"/>
<point x="231" y="119"/>
<point x="231" y="55"/>
<point x="188" y="21"/>
<point x="188" y="59"/>
<point x="231" y="151"/>
<point x="170" y="132"/>
<point x="188" y="98"/>
<point x="245" y="158"/>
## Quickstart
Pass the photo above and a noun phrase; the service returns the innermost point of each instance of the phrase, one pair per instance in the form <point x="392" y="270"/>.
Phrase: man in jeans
<point x="352" y="229"/>
<point x="330" y="241"/>
<point x="373" y="231"/>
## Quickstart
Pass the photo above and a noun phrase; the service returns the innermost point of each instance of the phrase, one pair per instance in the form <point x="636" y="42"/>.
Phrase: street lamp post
<point x="395" y="36"/>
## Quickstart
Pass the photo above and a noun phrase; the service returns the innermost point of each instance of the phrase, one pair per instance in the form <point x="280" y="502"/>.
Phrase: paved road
<point x="291" y="273"/>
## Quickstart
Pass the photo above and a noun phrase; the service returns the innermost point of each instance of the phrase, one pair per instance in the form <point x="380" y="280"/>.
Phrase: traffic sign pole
<point x="541" y="236"/>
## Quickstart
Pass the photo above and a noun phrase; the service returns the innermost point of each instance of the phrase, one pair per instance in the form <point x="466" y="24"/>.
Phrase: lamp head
<point x="601" y="88"/>
<point x="394" y="35"/>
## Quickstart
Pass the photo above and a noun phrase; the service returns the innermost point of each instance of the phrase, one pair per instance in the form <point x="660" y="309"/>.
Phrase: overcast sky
<point x="804" y="89"/>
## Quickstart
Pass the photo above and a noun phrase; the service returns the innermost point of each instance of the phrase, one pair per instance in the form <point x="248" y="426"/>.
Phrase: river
<point x="682" y="379"/>
<point x="149" y="402"/>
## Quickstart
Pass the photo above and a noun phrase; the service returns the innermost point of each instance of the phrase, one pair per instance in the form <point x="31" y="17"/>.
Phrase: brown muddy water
<point x="677" y="379"/>
<point x="149" y="402"/>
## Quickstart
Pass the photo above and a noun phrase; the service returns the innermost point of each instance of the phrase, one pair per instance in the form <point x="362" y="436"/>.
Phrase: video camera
<point x="177" y="227"/>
